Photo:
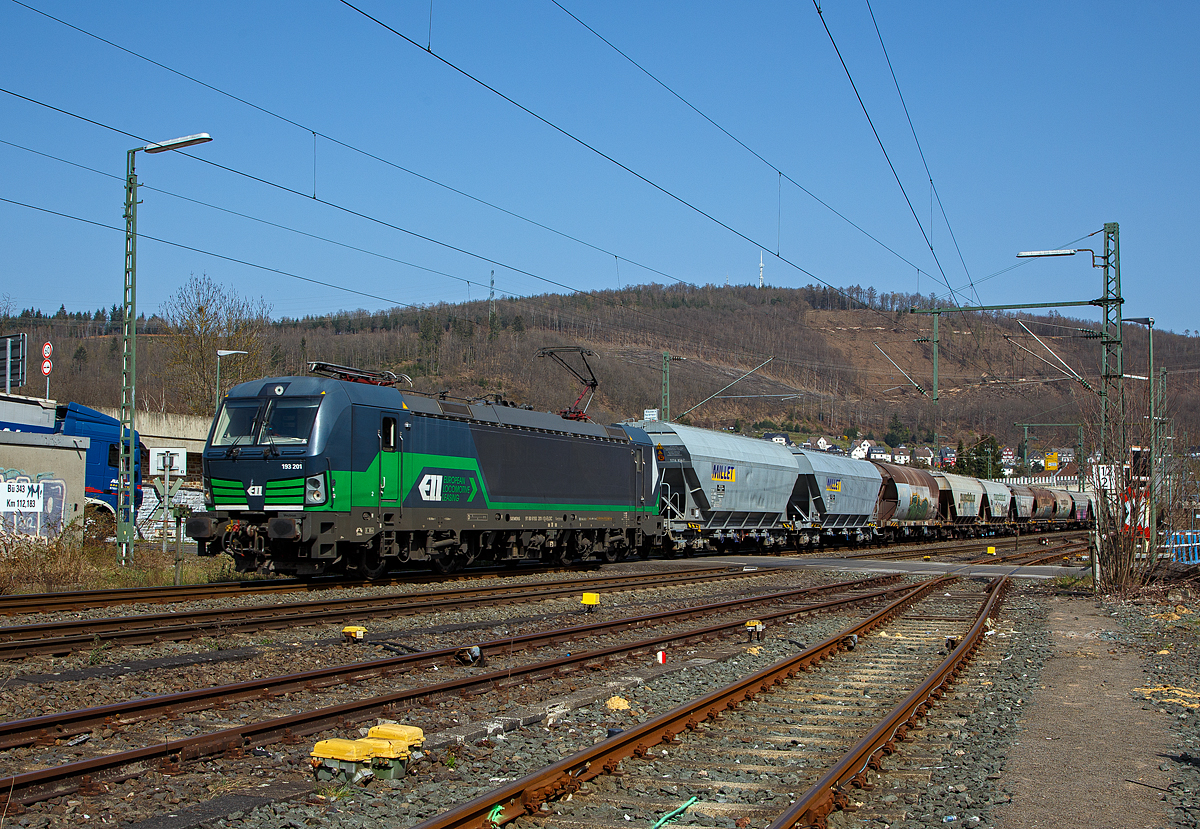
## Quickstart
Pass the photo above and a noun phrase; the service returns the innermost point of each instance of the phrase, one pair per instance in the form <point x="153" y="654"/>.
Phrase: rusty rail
<point x="58" y="638"/>
<point x="525" y="796"/>
<point x="84" y="599"/>
<point x="85" y="775"/>
<point x="814" y="807"/>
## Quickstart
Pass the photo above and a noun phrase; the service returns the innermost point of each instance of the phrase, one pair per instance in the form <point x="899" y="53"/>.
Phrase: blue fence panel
<point x="1185" y="547"/>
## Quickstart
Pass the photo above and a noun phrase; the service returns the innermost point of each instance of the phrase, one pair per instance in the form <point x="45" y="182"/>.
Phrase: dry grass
<point x="73" y="562"/>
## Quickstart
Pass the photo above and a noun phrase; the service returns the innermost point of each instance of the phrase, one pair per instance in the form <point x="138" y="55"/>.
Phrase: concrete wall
<point x="161" y="430"/>
<point x="56" y="465"/>
<point x="19" y="408"/>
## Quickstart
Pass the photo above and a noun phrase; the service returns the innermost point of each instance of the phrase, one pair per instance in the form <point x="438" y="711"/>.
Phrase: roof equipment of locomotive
<point x="590" y="383"/>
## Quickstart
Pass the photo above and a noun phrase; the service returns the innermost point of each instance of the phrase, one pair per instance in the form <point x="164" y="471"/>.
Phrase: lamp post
<point x="1152" y="537"/>
<point x="221" y="352"/>
<point x="126" y="504"/>
<point x="1115" y="571"/>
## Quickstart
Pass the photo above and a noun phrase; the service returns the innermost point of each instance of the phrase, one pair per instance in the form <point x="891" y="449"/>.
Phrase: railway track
<point x="971" y="547"/>
<point x="87" y="776"/>
<point x="28" y="603"/>
<point x="64" y="637"/>
<point x="24" y="603"/>
<point x="784" y="747"/>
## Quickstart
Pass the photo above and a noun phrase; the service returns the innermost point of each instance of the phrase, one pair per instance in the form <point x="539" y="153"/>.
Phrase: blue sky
<point x="1039" y="122"/>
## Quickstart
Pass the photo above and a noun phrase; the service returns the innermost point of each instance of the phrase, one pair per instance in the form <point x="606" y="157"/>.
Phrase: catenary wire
<point x="466" y="195"/>
<point x="350" y="211"/>
<point x="738" y="141"/>
<point x="879" y="140"/>
<point x="921" y="151"/>
<point x="418" y="175"/>
<point x="342" y="208"/>
<point x="366" y="153"/>
<point x="594" y="149"/>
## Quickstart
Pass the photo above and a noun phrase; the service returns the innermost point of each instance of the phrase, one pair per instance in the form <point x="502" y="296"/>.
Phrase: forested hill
<point x="829" y="370"/>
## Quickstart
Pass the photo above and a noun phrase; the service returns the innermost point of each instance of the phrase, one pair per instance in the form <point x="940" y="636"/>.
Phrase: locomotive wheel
<point x="444" y="565"/>
<point x="368" y="563"/>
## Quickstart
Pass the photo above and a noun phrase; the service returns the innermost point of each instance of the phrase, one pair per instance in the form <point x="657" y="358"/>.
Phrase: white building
<point x="859" y="448"/>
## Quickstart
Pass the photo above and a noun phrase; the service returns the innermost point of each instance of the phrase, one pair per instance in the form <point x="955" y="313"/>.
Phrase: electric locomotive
<point x="341" y="471"/>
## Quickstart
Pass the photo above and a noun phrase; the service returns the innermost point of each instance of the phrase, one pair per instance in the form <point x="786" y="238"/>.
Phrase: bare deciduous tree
<point x="202" y="317"/>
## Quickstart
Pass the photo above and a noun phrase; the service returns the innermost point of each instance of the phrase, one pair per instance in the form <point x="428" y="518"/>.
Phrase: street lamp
<point x="1039" y="254"/>
<point x="1149" y="323"/>
<point x="221" y="352"/>
<point x="1111" y="369"/>
<point x="126" y="505"/>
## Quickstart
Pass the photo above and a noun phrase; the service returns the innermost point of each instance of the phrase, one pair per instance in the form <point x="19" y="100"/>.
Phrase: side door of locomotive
<point x="390" y="457"/>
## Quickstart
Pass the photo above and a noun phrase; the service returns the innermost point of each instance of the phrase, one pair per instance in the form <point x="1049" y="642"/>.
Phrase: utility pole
<point x="1112" y="401"/>
<point x="127" y="461"/>
<point x="937" y="437"/>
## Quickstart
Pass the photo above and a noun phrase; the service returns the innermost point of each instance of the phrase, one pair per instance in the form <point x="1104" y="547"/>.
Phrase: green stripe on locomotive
<point x="420" y="488"/>
<point x="288" y="492"/>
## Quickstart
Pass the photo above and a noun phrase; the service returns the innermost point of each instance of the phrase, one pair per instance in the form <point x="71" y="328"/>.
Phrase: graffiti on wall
<point x="32" y="505"/>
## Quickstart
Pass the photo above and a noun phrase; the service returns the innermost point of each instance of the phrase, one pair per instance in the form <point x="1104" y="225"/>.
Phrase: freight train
<point x="341" y="471"/>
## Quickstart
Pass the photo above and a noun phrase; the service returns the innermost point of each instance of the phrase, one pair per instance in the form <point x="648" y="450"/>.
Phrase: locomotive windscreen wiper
<point x="271" y="450"/>
<point x="234" y="450"/>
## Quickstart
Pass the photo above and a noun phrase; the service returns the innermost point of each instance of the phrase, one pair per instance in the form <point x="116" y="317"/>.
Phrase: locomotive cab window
<point x="387" y="434"/>
<point x="247" y="422"/>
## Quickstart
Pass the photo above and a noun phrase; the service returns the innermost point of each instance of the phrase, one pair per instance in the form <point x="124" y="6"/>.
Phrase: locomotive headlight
<point x="314" y="490"/>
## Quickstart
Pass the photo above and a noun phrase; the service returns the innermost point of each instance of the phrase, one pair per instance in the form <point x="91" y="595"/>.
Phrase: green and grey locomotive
<point x="344" y="472"/>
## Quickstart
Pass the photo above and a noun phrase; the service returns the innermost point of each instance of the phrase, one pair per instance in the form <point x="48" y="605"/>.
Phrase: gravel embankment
<point x="45" y="685"/>
<point x="973" y="730"/>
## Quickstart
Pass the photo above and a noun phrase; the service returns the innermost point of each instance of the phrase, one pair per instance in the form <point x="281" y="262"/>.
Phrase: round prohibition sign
<point x="47" y="367"/>
<point x="47" y="350"/>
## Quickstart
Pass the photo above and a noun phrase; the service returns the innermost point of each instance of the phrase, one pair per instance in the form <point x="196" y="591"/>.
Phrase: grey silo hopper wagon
<point x="961" y="498"/>
<point x="997" y="502"/>
<point x="719" y="491"/>
<point x="1023" y="503"/>
<point x="834" y="499"/>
